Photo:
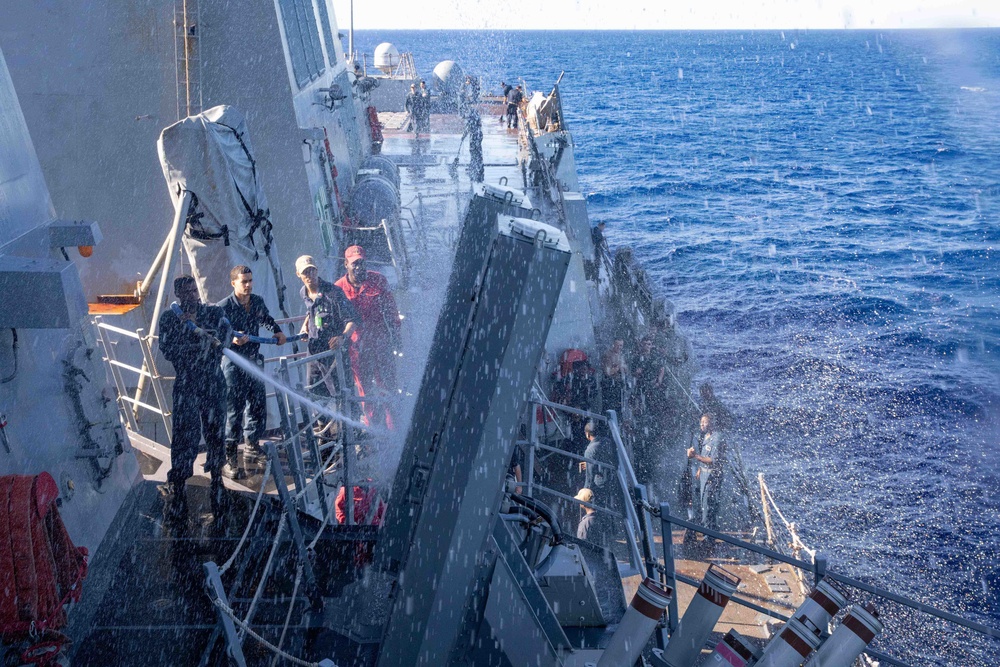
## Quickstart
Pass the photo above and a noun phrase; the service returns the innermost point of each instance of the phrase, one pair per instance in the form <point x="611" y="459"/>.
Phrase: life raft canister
<point x="40" y="568"/>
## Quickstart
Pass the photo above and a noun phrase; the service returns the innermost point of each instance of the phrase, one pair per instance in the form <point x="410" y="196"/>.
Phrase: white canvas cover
<point x="210" y="155"/>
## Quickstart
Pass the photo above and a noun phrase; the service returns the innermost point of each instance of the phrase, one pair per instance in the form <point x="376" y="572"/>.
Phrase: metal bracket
<point x="216" y="591"/>
<point x="312" y="590"/>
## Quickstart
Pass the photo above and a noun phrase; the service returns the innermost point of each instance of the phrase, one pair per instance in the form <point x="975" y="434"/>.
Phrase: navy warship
<point x="249" y="135"/>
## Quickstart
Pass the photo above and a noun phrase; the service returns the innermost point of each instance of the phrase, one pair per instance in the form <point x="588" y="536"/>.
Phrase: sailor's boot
<point x="232" y="468"/>
<point x="218" y="497"/>
<point x="254" y="449"/>
<point x="175" y="507"/>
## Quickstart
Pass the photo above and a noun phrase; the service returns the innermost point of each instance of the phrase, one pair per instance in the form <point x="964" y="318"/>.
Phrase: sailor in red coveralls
<point x="374" y="343"/>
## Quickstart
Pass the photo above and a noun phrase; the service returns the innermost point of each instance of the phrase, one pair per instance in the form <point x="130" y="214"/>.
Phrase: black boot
<point x="219" y="497"/>
<point x="175" y="506"/>
<point x="255" y="453"/>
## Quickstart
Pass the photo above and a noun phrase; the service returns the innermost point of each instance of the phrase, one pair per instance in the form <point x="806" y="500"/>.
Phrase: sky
<point x="667" y="14"/>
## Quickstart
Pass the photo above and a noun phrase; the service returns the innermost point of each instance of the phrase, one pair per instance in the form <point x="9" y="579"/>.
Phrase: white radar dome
<point x="386" y="56"/>
<point x="448" y="76"/>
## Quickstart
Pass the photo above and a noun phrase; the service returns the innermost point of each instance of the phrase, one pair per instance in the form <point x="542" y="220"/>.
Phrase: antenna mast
<point x="350" y="35"/>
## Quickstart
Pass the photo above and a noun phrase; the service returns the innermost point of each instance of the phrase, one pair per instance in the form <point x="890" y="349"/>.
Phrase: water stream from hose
<point x="254" y="370"/>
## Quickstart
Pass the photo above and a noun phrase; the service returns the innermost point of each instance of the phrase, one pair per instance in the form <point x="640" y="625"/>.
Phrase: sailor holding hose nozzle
<point x="192" y="337"/>
<point x="246" y="410"/>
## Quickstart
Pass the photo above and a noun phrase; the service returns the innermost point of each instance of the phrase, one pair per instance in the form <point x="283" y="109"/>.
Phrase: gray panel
<point x="429" y="412"/>
<point x="461" y="438"/>
<point x="536" y="605"/>
<point x="24" y="199"/>
<point x="70" y="233"/>
<point x="123" y="91"/>
<point x="23" y="281"/>
<point x="512" y="623"/>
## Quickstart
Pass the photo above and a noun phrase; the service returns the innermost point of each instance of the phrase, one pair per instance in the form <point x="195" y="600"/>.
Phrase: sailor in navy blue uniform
<point x="245" y="394"/>
<point x="199" y="393"/>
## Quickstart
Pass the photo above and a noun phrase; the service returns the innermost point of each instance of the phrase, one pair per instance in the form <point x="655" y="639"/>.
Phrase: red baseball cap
<point x="354" y="252"/>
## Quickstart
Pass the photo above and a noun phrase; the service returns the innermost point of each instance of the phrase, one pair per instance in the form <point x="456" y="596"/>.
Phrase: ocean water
<point x="822" y="210"/>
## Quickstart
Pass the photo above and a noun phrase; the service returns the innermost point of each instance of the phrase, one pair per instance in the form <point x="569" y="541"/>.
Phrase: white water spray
<point x="252" y="368"/>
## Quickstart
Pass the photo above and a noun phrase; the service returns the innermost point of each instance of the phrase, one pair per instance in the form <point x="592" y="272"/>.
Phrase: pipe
<point x="852" y="636"/>
<point x="180" y="222"/>
<point x="790" y="647"/>
<point x="821" y="606"/>
<point x="702" y="614"/>
<point x="269" y="340"/>
<point x="545" y="511"/>
<point x="350" y="35"/>
<point x="226" y="336"/>
<point x="147" y="283"/>
<point x="637" y="625"/>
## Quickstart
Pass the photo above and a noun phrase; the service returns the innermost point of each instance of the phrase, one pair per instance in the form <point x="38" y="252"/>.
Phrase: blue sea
<point x="822" y="209"/>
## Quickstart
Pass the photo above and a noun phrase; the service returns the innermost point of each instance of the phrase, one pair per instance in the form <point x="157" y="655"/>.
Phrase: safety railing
<point x="300" y="451"/>
<point x="110" y="337"/>
<point x="403" y="69"/>
<point x="817" y="566"/>
<point x="638" y="536"/>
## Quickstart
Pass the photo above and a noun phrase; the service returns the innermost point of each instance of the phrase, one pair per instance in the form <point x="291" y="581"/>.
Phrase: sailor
<point x="199" y="394"/>
<point x="514" y="98"/>
<point x="722" y="418"/>
<point x="614" y="372"/>
<point x="576" y="386"/>
<point x="647" y="406"/>
<point x="424" y="109"/>
<point x="330" y="321"/>
<point x="708" y="461"/>
<point x="591" y="527"/>
<point x="245" y="394"/>
<point x="599" y="479"/>
<point x="505" y="89"/>
<point x="649" y="371"/>
<point x="600" y="245"/>
<point x="470" y="92"/>
<point x="369" y="510"/>
<point x="374" y="343"/>
<point x="474" y="128"/>
<point x="412" y="106"/>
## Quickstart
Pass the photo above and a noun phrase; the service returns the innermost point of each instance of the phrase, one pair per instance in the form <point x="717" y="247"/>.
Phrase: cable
<point x="248" y="630"/>
<point x="544" y="511"/>
<point x="267" y="571"/>
<point x="13" y="374"/>
<point x="288" y="616"/>
<point x="253" y="514"/>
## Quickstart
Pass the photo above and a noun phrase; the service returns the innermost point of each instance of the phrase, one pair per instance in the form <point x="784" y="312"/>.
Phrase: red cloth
<point x="568" y="358"/>
<point x="364" y="512"/>
<point x="372" y="358"/>
<point x="40" y="568"/>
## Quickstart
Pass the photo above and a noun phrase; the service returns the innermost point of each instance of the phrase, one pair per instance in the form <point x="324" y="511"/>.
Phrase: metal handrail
<point x="117" y="330"/>
<point x="817" y="567"/>
<point x="624" y="473"/>
<point x="129" y="406"/>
